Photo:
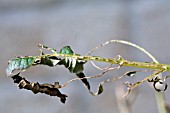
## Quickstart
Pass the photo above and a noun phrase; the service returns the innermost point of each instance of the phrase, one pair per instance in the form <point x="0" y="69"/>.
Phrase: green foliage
<point x="75" y="64"/>
<point x="72" y="64"/>
<point x="66" y="50"/>
<point x="19" y="64"/>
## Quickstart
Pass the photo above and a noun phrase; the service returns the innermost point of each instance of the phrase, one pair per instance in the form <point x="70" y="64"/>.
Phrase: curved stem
<point x="159" y="96"/>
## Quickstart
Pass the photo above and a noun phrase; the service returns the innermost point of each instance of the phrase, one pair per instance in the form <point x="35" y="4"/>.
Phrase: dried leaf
<point x="48" y="89"/>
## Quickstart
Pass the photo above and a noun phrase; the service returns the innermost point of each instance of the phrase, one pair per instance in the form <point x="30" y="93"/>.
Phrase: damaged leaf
<point x="48" y="61"/>
<point x="86" y="83"/>
<point x="99" y="91"/>
<point x="72" y="64"/>
<point x="48" y="89"/>
<point x="131" y="73"/>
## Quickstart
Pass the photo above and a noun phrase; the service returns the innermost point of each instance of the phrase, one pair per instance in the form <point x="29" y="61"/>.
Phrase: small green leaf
<point x="19" y="64"/>
<point x="66" y="50"/>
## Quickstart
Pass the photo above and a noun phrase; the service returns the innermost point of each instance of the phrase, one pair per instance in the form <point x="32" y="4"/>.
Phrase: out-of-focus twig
<point x="124" y="104"/>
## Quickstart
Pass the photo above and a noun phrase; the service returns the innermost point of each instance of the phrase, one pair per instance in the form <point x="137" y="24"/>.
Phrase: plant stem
<point x="122" y="61"/>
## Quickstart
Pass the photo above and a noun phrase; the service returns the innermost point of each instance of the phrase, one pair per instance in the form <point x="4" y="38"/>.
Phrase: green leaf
<point x="66" y="50"/>
<point x="19" y="64"/>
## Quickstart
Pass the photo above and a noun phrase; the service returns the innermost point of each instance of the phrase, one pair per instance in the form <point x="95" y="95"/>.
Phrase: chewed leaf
<point x="100" y="90"/>
<point x="73" y="65"/>
<point x="86" y="83"/>
<point x="19" y="64"/>
<point x="131" y="73"/>
<point x="47" y="61"/>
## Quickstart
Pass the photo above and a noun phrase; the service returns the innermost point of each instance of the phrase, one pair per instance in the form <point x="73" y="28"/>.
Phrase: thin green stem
<point x="124" y="62"/>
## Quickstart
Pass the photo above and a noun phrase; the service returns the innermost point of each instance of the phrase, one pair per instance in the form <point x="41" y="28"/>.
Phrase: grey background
<point x="82" y="24"/>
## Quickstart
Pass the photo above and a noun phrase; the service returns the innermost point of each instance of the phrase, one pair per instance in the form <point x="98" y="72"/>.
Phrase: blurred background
<point x="82" y="24"/>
